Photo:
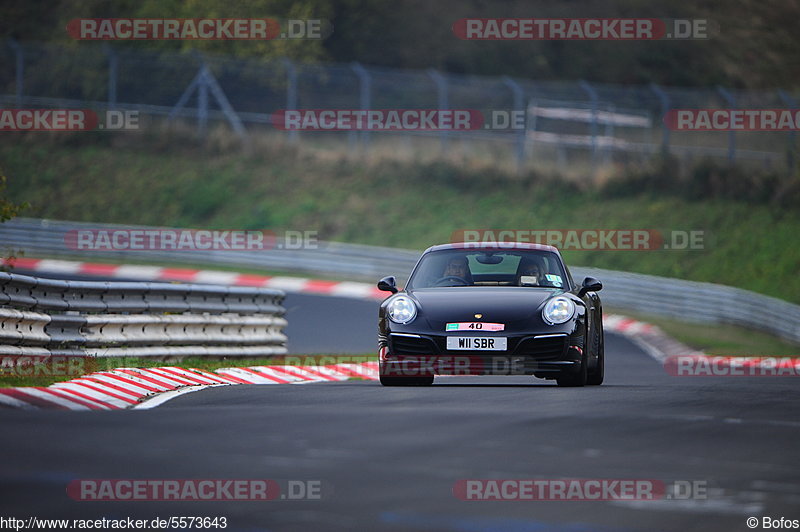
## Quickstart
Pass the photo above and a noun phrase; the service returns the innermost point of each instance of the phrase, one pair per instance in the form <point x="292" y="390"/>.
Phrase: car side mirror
<point x="388" y="284"/>
<point x="590" y="284"/>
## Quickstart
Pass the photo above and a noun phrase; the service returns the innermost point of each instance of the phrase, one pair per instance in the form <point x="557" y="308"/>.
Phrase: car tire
<point x="390" y="381"/>
<point x="427" y="380"/>
<point x="576" y="379"/>
<point x="394" y="380"/>
<point x="406" y="381"/>
<point x="595" y="377"/>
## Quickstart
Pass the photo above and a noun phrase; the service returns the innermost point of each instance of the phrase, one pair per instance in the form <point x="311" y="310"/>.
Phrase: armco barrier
<point x="41" y="317"/>
<point x="694" y="301"/>
<point x="39" y="238"/>
<point x="687" y="300"/>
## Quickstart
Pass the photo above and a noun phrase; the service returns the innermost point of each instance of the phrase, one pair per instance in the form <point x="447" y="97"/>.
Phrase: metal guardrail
<point x="686" y="300"/>
<point x="695" y="301"/>
<point x="48" y="238"/>
<point x="41" y="317"/>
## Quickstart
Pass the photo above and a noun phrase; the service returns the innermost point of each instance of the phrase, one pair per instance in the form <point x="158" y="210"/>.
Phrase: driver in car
<point x="458" y="267"/>
<point x="533" y="272"/>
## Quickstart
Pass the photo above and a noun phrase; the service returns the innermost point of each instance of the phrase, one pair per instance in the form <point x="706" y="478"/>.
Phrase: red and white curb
<point x="125" y="388"/>
<point x="157" y="273"/>
<point x="649" y="338"/>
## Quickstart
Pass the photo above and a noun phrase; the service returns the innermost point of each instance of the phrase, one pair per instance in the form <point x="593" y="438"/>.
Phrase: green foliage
<point x="753" y="43"/>
<point x="706" y="179"/>
<point x="750" y="242"/>
<point x="27" y="20"/>
<point x="8" y="209"/>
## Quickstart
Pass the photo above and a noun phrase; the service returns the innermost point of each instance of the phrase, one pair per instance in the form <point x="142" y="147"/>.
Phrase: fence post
<point x="519" y="105"/>
<point x="731" y="99"/>
<point x="441" y="92"/>
<point x="792" y="104"/>
<point x="210" y="82"/>
<point x="113" y="63"/>
<point x="291" y="93"/>
<point x="20" y="68"/>
<point x="663" y="99"/>
<point x="364" y="97"/>
<point x="204" y="82"/>
<point x="589" y="90"/>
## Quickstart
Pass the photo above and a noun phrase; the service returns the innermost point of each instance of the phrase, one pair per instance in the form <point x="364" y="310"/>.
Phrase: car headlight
<point x="401" y="310"/>
<point x="558" y="310"/>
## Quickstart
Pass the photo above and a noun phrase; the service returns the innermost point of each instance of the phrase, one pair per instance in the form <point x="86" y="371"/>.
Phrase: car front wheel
<point x="595" y="377"/>
<point x="406" y="381"/>
<point x="402" y="380"/>
<point x="577" y="378"/>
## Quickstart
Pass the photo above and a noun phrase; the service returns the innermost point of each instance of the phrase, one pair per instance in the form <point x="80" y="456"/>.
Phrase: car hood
<point x="514" y="306"/>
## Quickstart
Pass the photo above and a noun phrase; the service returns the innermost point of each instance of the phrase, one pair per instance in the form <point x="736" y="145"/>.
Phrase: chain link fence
<point x="568" y="124"/>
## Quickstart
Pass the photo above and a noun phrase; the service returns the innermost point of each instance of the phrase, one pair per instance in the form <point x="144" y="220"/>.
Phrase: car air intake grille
<point x="409" y="345"/>
<point x="543" y="347"/>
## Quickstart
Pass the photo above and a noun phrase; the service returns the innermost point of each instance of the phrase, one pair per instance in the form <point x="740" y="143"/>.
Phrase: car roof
<point x="494" y="245"/>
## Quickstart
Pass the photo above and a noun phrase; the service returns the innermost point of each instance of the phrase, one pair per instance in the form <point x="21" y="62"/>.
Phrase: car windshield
<point x="459" y="267"/>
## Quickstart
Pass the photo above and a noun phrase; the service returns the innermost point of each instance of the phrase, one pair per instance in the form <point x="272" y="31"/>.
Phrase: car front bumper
<point x="543" y="355"/>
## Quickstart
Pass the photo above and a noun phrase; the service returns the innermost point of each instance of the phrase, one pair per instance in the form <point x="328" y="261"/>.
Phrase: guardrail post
<point x="364" y="97"/>
<point x="790" y="159"/>
<point x="441" y="93"/>
<point x="731" y="99"/>
<point x="19" y="58"/>
<point x="519" y="106"/>
<point x="589" y="90"/>
<point x="664" y="100"/>
<point x="291" y="93"/>
<point x="113" y="64"/>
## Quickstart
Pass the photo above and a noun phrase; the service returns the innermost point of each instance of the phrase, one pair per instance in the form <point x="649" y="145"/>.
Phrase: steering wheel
<point x="461" y="280"/>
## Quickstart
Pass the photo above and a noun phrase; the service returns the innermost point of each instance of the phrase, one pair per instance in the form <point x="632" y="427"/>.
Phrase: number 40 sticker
<point x="474" y="326"/>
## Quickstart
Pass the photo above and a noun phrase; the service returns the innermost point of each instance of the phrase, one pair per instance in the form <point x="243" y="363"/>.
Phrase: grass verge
<point x="747" y="241"/>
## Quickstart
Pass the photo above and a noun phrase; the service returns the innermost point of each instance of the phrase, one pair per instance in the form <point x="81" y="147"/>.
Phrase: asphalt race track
<point x="320" y="325"/>
<point x="388" y="458"/>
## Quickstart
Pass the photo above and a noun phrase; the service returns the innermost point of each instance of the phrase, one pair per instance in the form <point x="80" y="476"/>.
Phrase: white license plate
<point x="476" y="343"/>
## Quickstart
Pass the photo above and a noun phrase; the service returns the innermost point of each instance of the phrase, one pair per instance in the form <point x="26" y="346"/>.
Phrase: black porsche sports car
<point x="491" y="308"/>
